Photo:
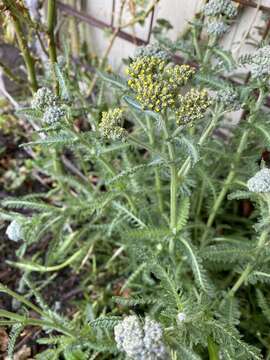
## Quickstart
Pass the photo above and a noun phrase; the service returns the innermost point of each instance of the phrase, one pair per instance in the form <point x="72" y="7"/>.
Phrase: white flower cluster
<point x="260" y="182"/>
<point x="216" y="27"/>
<point x="229" y="98"/>
<point x="53" y="114"/>
<point x="44" y="98"/>
<point x="14" y="231"/>
<point x="138" y="341"/>
<point x="220" y="7"/>
<point x="259" y="62"/>
<point x="45" y="101"/>
<point x="152" y="50"/>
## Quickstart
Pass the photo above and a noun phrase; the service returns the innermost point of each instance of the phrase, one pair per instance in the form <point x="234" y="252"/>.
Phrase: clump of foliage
<point x="149" y="210"/>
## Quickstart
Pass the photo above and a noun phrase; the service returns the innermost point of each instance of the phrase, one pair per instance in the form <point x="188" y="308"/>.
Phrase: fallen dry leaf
<point x="3" y="340"/>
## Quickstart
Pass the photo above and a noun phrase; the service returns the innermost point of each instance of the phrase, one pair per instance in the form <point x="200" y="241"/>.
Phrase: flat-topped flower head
<point x="216" y="27"/>
<point x="43" y="98"/>
<point x="259" y="62"/>
<point x="14" y="231"/>
<point x="220" y="7"/>
<point x="229" y="98"/>
<point x="192" y="106"/>
<point x="111" y="124"/>
<point x="53" y="114"/>
<point x="140" y="341"/>
<point x="152" y="50"/>
<point x="129" y="336"/>
<point x="179" y="74"/>
<point x="156" y="83"/>
<point x="260" y="182"/>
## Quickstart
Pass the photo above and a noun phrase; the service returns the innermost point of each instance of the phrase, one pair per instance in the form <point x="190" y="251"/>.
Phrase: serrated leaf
<point x="183" y="213"/>
<point x="196" y="265"/>
<point x="137" y="107"/>
<point x="63" y="83"/>
<point x="113" y="79"/>
<point x="239" y="195"/>
<point x="30" y="113"/>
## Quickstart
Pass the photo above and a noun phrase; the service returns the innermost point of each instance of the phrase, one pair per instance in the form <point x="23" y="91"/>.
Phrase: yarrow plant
<point x="148" y="236"/>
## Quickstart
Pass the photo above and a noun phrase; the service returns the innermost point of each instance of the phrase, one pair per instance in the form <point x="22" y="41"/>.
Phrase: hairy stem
<point x="196" y="44"/>
<point x="212" y="350"/>
<point x="174" y="180"/>
<point x="157" y="177"/>
<point x="51" y="40"/>
<point x="28" y="59"/>
<point x="211" y="43"/>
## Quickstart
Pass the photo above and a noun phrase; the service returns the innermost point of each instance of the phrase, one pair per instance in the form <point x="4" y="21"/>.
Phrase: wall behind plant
<point x="247" y="28"/>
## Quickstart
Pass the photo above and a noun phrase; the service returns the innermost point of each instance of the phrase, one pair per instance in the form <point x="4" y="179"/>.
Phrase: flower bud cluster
<point x="229" y="98"/>
<point x="111" y="124"/>
<point x="193" y="106"/>
<point x="220" y="7"/>
<point x="53" y="114"/>
<point x="14" y="231"/>
<point x="157" y="85"/>
<point x="260" y="182"/>
<point x="152" y="50"/>
<point x="45" y="101"/>
<point x="259" y="62"/>
<point x="216" y="27"/>
<point x="140" y="341"/>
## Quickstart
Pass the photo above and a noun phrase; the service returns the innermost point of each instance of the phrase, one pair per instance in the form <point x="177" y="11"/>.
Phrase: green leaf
<point x="113" y="79"/>
<point x="130" y="216"/>
<point x="196" y="265"/>
<point x="105" y="322"/>
<point x="183" y="213"/>
<point x="190" y="148"/>
<point x="264" y="131"/>
<point x="239" y="195"/>
<point x="63" y="83"/>
<point x="137" y="106"/>
<point x="61" y="139"/>
<point x="33" y="114"/>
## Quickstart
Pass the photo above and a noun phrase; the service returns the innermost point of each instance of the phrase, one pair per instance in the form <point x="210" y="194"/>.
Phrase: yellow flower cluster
<point x="110" y="125"/>
<point x="157" y="84"/>
<point x="178" y="75"/>
<point x="192" y="106"/>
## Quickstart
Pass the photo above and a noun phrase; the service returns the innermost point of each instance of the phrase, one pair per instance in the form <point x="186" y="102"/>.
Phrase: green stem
<point x="250" y="266"/>
<point x="211" y="43"/>
<point x="231" y="175"/>
<point x="51" y="42"/>
<point x="28" y="59"/>
<point x="174" y="180"/>
<point x="196" y="44"/>
<point x="212" y="350"/>
<point x="157" y="177"/>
